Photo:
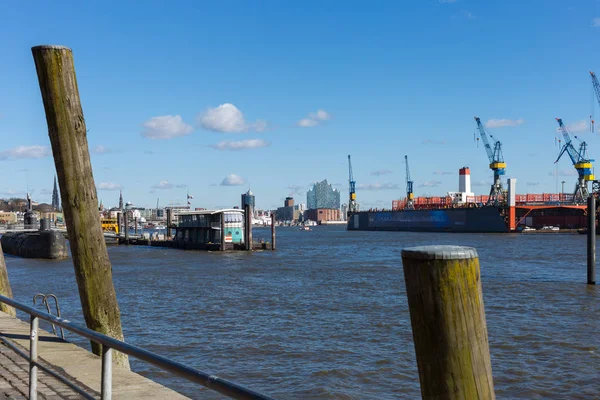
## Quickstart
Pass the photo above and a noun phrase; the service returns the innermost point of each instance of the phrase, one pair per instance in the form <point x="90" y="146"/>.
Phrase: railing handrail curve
<point x="209" y="381"/>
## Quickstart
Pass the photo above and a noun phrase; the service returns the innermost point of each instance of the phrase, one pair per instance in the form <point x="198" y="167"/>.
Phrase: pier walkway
<point x="66" y="359"/>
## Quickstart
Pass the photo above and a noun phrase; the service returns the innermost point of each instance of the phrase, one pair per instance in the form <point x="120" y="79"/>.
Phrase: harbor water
<point x="326" y="317"/>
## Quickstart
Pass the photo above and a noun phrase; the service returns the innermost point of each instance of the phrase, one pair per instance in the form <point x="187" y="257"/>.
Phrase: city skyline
<point x="251" y="98"/>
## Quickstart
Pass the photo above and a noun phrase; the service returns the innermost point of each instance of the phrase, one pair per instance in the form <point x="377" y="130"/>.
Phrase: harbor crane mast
<point x="497" y="163"/>
<point x="352" y="206"/>
<point x="596" y="86"/>
<point x="410" y="203"/>
<point x="580" y="161"/>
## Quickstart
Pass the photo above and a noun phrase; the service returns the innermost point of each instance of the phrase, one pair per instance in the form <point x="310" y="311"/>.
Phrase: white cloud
<point x="101" y="149"/>
<point x="468" y="14"/>
<point x="166" y="127"/>
<point x="163" y="185"/>
<point x="596" y="22"/>
<point x="26" y="152"/>
<point x="579" y="126"/>
<point x="108" y="186"/>
<point x="378" y="186"/>
<point x="233" y="180"/>
<point x="500" y="123"/>
<point x="241" y="144"/>
<point x="227" y="118"/>
<point x="380" y="172"/>
<point x="430" y="184"/>
<point x="314" y="119"/>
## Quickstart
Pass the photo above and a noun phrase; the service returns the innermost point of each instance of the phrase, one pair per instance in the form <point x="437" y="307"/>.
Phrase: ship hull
<point x="474" y="220"/>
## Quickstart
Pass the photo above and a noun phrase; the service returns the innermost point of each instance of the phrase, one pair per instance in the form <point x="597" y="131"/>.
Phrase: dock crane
<point x="352" y="206"/>
<point x="497" y="163"/>
<point x="410" y="203"/>
<point x="596" y="86"/>
<point x="580" y="161"/>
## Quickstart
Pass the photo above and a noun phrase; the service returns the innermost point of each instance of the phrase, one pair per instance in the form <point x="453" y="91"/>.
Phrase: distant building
<point x="322" y="214"/>
<point x="55" y="198"/>
<point x="322" y="195"/>
<point x="120" y="199"/>
<point x="344" y="211"/>
<point x="248" y="198"/>
<point x="288" y="212"/>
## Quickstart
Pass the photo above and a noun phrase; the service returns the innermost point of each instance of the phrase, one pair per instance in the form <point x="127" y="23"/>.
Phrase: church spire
<point x="55" y="198"/>
<point x="120" y="199"/>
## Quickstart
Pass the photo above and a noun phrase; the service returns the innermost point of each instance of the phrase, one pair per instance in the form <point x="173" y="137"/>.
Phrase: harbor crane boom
<point x="352" y="206"/>
<point x="497" y="163"/>
<point x="580" y="161"/>
<point x="410" y="203"/>
<point x="596" y="86"/>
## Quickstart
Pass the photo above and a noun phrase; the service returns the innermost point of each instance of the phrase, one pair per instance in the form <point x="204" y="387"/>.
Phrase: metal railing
<point x="212" y="382"/>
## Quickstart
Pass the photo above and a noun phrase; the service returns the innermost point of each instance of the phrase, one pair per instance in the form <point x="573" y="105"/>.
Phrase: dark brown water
<point x="325" y="316"/>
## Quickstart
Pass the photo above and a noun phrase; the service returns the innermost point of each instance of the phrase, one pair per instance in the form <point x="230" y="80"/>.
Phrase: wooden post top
<point x="440" y="252"/>
<point x="51" y="46"/>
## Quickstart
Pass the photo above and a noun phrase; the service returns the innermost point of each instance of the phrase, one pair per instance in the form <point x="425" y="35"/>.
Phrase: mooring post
<point x="5" y="289"/>
<point x="118" y="224"/>
<point x="169" y="223"/>
<point x="248" y="226"/>
<point x="126" y="227"/>
<point x="222" y="232"/>
<point x="68" y="138"/>
<point x="272" y="231"/>
<point x="591" y="241"/>
<point x="135" y="225"/>
<point x="445" y="300"/>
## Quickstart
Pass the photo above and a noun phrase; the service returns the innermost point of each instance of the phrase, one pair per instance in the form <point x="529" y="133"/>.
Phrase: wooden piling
<point x="119" y="224"/>
<point x="169" y="223"/>
<point x="135" y="220"/>
<point x="126" y="227"/>
<point x="591" y="240"/>
<point x="248" y="226"/>
<point x="445" y="299"/>
<point x="5" y="289"/>
<point x="272" y="231"/>
<point x="222" y="232"/>
<point x="67" y="131"/>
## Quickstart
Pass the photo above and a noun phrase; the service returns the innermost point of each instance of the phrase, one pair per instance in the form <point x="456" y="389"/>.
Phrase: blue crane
<point x="596" y="86"/>
<point x="410" y="204"/>
<point x="352" y="206"/>
<point x="580" y="161"/>
<point x="497" y="163"/>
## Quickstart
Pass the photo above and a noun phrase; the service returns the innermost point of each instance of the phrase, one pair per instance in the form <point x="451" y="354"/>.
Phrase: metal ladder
<point x="44" y="298"/>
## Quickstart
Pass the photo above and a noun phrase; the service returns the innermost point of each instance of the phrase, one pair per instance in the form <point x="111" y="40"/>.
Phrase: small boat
<point x="304" y="228"/>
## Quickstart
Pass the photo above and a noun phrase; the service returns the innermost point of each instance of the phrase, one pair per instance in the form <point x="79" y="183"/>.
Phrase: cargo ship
<point x="462" y="211"/>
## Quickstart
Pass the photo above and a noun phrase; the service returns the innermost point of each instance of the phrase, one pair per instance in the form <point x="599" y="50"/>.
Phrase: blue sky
<point x="216" y="97"/>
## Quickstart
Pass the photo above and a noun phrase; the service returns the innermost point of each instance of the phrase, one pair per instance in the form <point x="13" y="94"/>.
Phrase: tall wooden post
<point x="169" y="223"/>
<point x="248" y="226"/>
<point x="222" y="232"/>
<point x="119" y="224"/>
<point x="135" y="225"/>
<point x="5" y="289"/>
<point x="272" y="231"/>
<point x="591" y="241"/>
<point x="126" y="227"/>
<point x="443" y="287"/>
<point x="67" y="131"/>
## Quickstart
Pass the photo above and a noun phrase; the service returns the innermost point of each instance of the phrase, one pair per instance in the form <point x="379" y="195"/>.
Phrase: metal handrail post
<point x="33" y="357"/>
<point x="106" y="392"/>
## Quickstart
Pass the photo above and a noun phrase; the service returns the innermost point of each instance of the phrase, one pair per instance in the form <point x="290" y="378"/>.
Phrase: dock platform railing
<point x="212" y="382"/>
